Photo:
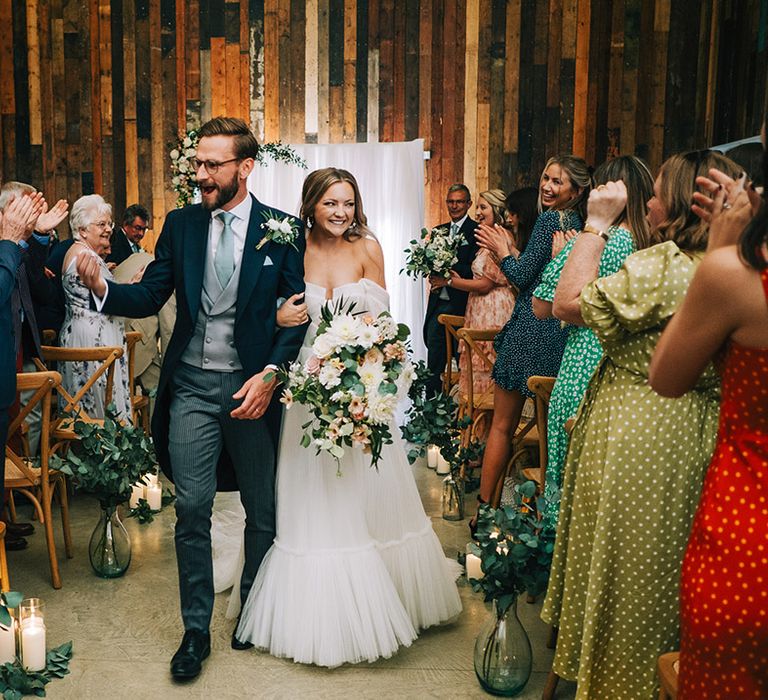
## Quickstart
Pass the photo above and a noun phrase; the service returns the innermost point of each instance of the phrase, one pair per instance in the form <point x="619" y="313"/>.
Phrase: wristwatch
<point x="588" y="228"/>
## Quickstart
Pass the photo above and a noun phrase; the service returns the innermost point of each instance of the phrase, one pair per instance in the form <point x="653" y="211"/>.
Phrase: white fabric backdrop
<point x="391" y="180"/>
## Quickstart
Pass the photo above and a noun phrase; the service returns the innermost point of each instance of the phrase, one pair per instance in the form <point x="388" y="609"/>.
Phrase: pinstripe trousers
<point x="200" y="427"/>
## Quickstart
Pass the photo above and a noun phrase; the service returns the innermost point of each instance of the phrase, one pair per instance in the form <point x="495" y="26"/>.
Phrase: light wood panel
<point x="93" y="92"/>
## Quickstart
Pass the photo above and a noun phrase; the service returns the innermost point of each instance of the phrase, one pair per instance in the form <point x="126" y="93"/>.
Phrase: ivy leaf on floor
<point x="57" y="661"/>
<point x="167" y="498"/>
<point x="16" y="681"/>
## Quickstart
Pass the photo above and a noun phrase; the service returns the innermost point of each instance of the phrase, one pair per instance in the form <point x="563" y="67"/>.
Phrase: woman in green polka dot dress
<point x="636" y="462"/>
<point x="583" y="351"/>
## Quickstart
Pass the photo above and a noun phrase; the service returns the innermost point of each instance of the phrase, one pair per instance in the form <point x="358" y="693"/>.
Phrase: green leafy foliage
<point x="515" y="550"/>
<point x="107" y="460"/>
<point x="16" y="681"/>
<point x="142" y="512"/>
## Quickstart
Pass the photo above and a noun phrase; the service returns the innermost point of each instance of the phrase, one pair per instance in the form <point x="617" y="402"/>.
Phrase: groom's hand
<point x="256" y="394"/>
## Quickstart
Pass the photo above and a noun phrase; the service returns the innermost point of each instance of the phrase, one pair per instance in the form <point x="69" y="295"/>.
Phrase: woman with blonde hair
<point x="491" y="299"/>
<point x="635" y="464"/>
<point x="526" y="345"/>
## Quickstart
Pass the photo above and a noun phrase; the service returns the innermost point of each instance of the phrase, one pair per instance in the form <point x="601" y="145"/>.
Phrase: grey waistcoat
<point x="213" y="345"/>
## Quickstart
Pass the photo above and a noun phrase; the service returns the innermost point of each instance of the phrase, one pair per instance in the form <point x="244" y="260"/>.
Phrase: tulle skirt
<point x="356" y="568"/>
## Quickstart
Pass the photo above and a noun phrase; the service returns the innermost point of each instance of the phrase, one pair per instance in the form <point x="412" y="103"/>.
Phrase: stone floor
<point x="125" y="630"/>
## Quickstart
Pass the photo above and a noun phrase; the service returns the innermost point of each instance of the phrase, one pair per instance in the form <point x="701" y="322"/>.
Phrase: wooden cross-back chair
<point x="5" y="581"/>
<point x="70" y="405"/>
<point x="139" y="402"/>
<point x="451" y="324"/>
<point x="478" y="406"/>
<point x="542" y="390"/>
<point x="39" y="483"/>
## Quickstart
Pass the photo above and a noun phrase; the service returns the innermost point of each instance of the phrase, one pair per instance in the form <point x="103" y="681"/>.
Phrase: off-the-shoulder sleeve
<point x="645" y="292"/>
<point x="551" y="275"/>
<point x="524" y="270"/>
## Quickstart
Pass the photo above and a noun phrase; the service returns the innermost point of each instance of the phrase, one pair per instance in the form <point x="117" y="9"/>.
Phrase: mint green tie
<point x="224" y="262"/>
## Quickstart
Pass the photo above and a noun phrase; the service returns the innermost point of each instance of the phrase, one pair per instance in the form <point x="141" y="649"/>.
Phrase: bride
<point x="356" y="569"/>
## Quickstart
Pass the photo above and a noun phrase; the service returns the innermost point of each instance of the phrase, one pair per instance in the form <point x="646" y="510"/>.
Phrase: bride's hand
<point x="292" y="312"/>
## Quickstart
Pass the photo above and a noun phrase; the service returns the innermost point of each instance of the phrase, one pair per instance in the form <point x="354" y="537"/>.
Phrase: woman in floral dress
<point x="91" y="224"/>
<point x="490" y="300"/>
<point x="583" y="352"/>
<point x="636" y="461"/>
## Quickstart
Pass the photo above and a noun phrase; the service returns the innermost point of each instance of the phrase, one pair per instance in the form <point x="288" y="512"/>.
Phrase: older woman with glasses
<point x="91" y="225"/>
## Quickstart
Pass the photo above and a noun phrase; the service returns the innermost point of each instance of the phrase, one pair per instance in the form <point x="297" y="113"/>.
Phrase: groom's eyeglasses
<point x="211" y="166"/>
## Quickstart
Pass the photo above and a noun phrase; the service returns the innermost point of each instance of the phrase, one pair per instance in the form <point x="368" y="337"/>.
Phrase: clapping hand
<point x="89" y="271"/>
<point x="605" y="204"/>
<point x="496" y="240"/>
<point x="18" y="220"/>
<point x="559" y="240"/>
<point x="728" y="208"/>
<point x="49" y="219"/>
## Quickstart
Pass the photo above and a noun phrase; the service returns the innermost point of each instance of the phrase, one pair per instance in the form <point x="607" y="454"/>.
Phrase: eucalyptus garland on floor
<point x="182" y="174"/>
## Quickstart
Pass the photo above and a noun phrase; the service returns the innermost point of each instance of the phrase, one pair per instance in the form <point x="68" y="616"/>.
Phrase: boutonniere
<point x="282" y="232"/>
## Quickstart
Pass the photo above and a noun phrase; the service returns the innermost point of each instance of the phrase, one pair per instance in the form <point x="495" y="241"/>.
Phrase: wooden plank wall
<point x="92" y="92"/>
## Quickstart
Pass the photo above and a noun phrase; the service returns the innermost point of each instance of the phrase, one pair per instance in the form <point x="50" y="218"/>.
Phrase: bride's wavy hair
<point x="316" y="185"/>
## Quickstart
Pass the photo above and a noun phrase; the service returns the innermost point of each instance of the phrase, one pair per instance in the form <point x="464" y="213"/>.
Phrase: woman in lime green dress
<point x="636" y="462"/>
<point x="583" y="351"/>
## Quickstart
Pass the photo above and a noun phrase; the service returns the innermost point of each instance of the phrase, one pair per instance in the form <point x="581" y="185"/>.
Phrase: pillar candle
<point x="155" y="497"/>
<point x="151" y="479"/>
<point x="432" y="456"/>
<point x="137" y="492"/>
<point x="33" y="644"/>
<point x="474" y="569"/>
<point x="8" y="644"/>
<point x="443" y="466"/>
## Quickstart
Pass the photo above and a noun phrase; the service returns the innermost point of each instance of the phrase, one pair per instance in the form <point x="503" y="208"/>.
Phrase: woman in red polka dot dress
<point x="724" y="587"/>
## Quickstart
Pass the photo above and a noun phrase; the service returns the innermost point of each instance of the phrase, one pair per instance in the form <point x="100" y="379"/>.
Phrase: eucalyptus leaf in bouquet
<point x="359" y="371"/>
<point x="107" y="459"/>
<point x="514" y="547"/>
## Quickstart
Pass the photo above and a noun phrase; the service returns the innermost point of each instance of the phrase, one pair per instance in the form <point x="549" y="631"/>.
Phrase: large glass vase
<point x="503" y="658"/>
<point x="110" y="546"/>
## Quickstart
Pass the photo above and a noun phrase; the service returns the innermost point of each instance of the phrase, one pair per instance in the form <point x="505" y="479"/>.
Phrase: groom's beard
<point x="220" y="195"/>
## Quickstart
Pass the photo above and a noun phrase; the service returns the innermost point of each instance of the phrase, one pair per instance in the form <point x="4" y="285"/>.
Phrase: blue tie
<point x="224" y="262"/>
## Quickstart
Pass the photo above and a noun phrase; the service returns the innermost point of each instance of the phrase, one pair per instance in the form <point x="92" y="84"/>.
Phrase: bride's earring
<point x="353" y="226"/>
<point x="309" y="222"/>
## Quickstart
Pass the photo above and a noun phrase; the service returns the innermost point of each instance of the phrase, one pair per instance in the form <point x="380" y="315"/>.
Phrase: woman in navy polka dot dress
<point x="724" y="586"/>
<point x="528" y="346"/>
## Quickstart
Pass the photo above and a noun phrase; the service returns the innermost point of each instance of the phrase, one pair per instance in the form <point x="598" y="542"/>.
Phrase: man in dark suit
<point x="217" y="379"/>
<point x="447" y="300"/>
<point x="126" y="239"/>
<point x="16" y="225"/>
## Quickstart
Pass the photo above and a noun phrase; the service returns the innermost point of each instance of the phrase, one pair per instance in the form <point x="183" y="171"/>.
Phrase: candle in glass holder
<point x="443" y="466"/>
<point x="32" y="632"/>
<point x="155" y="497"/>
<point x="8" y="643"/>
<point x="432" y="452"/>
<point x="474" y="570"/>
<point x="151" y="479"/>
<point x="137" y="492"/>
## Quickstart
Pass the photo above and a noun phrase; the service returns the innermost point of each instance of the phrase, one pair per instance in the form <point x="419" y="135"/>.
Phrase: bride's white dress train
<point x="356" y="568"/>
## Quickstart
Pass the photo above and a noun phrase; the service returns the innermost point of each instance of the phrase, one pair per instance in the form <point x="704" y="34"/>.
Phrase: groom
<point x="217" y="378"/>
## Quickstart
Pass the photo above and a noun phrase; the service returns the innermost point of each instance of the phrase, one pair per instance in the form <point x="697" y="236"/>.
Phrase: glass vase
<point x="453" y="498"/>
<point x="110" y="546"/>
<point x="503" y="658"/>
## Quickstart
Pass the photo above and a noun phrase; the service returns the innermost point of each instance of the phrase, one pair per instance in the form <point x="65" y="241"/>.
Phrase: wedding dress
<point x="356" y="569"/>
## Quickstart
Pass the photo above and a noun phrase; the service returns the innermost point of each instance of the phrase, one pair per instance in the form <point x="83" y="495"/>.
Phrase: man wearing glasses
<point x="447" y="300"/>
<point x="218" y="375"/>
<point x="125" y="240"/>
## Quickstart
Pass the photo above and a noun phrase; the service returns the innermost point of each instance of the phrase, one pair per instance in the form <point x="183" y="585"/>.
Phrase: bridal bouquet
<point x="435" y="253"/>
<point x="353" y="382"/>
